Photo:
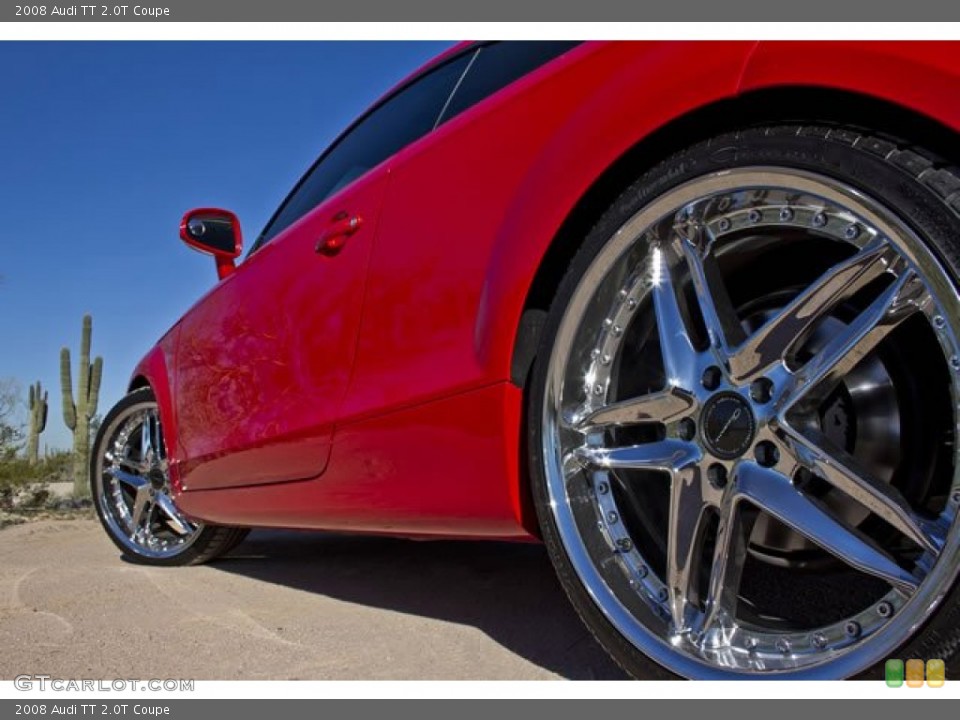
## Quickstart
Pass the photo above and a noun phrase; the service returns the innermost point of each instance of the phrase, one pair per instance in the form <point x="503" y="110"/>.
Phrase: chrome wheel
<point x="732" y="425"/>
<point x="131" y="484"/>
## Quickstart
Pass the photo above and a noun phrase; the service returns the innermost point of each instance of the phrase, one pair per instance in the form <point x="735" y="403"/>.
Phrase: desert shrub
<point x="17" y="473"/>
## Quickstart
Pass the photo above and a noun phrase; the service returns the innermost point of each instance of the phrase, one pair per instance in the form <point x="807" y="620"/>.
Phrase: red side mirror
<point x="214" y="232"/>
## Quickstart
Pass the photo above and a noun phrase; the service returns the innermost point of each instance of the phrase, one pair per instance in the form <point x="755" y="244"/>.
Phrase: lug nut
<point x="766" y="453"/>
<point x="852" y="629"/>
<point x="884" y="609"/>
<point x="717" y="475"/>
<point x="712" y="377"/>
<point x="687" y="429"/>
<point x="761" y="390"/>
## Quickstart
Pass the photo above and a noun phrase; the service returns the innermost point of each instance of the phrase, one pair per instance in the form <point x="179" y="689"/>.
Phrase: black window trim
<point x="456" y="87"/>
<point x="473" y="47"/>
<point x="453" y="57"/>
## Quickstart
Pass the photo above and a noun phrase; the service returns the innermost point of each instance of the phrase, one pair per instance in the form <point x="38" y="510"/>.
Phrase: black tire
<point x="211" y="541"/>
<point x="925" y="193"/>
<point x="240" y="535"/>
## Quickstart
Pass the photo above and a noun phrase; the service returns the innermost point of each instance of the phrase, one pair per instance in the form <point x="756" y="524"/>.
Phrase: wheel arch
<point x="777" y="104"/>
<point x="153" y="372"/>
<point x="138" y="382"/>
<point x="772" y="91"/>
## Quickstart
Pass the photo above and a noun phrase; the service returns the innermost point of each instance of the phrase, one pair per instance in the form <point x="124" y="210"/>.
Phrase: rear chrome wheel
<point x="747" y="417"/>
<point x="132" y="493"/>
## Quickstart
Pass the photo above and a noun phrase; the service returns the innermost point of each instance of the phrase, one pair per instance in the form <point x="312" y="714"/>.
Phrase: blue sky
<point x="103" y="146"/>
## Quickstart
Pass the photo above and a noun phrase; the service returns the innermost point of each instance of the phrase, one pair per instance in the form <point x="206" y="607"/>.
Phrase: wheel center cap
<point x="728" y="425"/>
<point x="157" y="479"/>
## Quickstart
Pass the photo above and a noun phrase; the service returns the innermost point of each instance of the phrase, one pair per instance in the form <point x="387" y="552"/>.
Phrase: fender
<point x="680" y="80"/>
<point x="911" y="75"/>
<point x="648" y="86"/>
<point x="919" y="76"/>
<point x="153" y="370"/>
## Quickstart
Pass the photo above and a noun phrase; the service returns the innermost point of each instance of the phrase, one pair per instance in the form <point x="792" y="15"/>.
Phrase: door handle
<point x="336" y="236"/>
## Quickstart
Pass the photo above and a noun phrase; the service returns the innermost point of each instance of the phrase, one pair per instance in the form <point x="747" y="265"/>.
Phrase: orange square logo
<point x="914" y="673"/>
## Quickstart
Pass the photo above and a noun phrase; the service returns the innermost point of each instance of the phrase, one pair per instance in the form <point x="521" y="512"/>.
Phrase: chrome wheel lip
<point x="630" y="621"/>
<point x="154" y="486"/>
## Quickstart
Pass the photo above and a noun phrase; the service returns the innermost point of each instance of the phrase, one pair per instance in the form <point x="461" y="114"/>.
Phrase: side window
<point x="405" y="117"/>
<point x="496" y="66"/>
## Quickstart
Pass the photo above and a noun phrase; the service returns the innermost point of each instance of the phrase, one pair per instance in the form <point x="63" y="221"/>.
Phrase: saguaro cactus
<point x="38" y="421"/>
<point x="77" y="414"/>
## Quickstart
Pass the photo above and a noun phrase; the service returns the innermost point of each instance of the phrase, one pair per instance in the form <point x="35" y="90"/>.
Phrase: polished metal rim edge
<point x="631" y="598"/>
<point x="132" y="487"/>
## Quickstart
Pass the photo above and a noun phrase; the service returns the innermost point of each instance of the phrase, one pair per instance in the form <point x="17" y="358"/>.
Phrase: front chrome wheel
<point x="747" y="427"/>
<point x="131" y="486"/>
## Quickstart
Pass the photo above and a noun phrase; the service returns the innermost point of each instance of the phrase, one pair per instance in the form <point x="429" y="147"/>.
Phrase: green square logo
<point x="893" y="672"/>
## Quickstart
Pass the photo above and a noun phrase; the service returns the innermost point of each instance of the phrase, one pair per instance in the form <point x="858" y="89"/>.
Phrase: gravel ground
<point x="287" y="605"/>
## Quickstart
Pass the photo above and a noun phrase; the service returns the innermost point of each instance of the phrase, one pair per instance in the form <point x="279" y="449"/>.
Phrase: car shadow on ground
<point x="507" y="590"/>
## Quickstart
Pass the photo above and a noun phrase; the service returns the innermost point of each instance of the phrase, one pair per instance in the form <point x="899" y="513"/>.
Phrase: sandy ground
<point x="287" y="605"/>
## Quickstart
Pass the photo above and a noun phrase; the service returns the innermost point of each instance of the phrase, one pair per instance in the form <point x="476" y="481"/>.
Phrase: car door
<point x="427" y="272"/>
<point x="264" y="359"/>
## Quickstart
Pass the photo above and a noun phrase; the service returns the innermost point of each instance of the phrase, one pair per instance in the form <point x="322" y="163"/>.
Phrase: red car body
<point x="375" y="389"/>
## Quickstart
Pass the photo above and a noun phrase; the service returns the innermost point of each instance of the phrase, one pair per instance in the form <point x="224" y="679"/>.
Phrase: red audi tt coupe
<point x="686" y="312"/>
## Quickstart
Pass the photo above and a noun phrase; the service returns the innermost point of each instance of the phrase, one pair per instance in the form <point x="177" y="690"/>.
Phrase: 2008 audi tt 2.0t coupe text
<point x="686" y="312"/>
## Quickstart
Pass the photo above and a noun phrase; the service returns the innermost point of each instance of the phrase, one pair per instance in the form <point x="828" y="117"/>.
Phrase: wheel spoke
<point x="137" y="467"/>
<point x="843" y="472"/>
<point x="726" y="566"/>
<point x="719" y="316"/>
<point x="774" y="339"/>
<point x="906" y="296"/>
<point x="774" y="493"/>
<point x="129" y="479"/>
<point x="173" y="517"/>
<point x="146" y="440"/>
<point x="684" y="543"/>
<point x="665" y="406"/>
<point x="668" y="455"/>
<point x="157" y="440"/>
<point x="142" y="509"/>
<point x="675" y="346"/>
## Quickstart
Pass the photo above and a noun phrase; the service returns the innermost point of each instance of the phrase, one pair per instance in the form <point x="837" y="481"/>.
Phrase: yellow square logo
<point x="936" y="673"/>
